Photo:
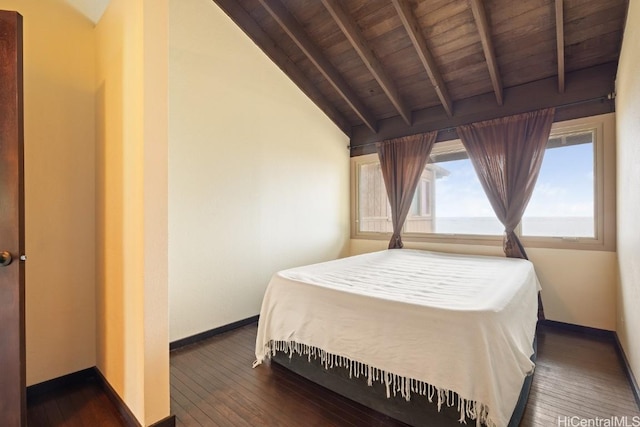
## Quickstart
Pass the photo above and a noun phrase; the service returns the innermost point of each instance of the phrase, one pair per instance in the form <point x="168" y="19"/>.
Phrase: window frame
<point x="604" y="197"/>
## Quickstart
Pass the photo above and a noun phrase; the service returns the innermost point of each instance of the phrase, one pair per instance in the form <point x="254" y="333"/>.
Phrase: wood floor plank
<point x="246" y="387"/>
<point x="65" y="409"/>
<point x="54" y="416"/>
<point x="351" y="413"/>
<point x="203" y="400"/>
<point x="576" y="375"/>
<point x="188" y="413"/>
<point x="214" y="385"/>
<point x="235" y="400"/>
<point x="104" y="411"/>
<point x="220" y="365"/>
<point x="81" y="404"/>
<point x="38" y="413"/>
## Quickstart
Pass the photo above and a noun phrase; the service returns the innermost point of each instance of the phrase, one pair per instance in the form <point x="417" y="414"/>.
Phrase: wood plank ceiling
<point x="386" y="68"/>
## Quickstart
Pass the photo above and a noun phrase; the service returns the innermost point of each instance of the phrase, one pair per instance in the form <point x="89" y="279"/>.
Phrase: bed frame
<point x="415" y="412"/>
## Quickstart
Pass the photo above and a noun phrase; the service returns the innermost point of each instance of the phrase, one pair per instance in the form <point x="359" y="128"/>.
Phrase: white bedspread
<point x="455" y="322"/>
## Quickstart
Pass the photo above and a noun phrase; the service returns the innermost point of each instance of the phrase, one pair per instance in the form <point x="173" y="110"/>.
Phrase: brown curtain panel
<point x="507" y="154"/>
<point x="402" y="161"/>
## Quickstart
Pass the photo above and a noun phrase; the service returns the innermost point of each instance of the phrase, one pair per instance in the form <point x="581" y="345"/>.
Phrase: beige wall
<point x="628" y="127"/>
<point x="131" y="205"/>
<point x="258" y="176"/>
<point x="578" y="286"/>
<point x="59" y="187"/>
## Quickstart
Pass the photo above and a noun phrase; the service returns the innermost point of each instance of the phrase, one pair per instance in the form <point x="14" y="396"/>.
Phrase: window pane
<point x="461" y="206"/>
<point x="419" y="219"/>
<point x="448" y="199"/>
<point x="562" y="204"/>
<point x="374" y="211"/>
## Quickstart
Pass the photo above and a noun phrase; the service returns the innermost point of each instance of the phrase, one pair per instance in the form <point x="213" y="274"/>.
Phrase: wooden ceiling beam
<point x="290" y="25"/>
<point x="350" y="29"/>
<point x="414" y="31"/>
<point x="587" y="95"/>
<point x="233" y="9"/>
<point x="480" y="16"/>
<point x="560" y="43"/>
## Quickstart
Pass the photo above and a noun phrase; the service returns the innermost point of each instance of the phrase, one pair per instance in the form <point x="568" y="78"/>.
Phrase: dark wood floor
<point x="213" y="384"/>
<point x="81" y="404"/>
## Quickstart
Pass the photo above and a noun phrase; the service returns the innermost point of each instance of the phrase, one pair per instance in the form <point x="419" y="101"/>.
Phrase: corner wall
<point x="628" y="129"/>
<point x="131" y="205"/>
<point x="59" y="187"/>
<point x="258" y="175"/>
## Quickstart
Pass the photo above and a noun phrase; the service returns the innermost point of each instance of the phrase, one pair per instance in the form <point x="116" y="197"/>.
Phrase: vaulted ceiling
<point x="387" y="68"/>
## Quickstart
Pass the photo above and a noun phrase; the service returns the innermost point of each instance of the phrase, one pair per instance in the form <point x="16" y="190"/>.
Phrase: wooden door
<point x="12" y="348"/>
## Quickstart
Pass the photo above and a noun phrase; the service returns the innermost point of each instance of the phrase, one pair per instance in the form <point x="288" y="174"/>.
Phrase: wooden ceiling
<point x="387" y="68"/>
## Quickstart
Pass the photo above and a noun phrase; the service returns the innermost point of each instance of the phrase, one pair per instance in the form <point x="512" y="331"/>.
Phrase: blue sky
<point x="564" y="187"/>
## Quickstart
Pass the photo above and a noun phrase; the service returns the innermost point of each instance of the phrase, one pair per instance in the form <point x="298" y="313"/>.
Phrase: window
<point x="374" y="213"/>
<point x="374" y="209"/>
<point x="571" y="207"/>
<point x="563" y="201"/>
<point x="459" y="206"/>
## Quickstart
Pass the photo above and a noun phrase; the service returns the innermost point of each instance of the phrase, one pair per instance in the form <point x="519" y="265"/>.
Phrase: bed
<point x="454" y="330"/>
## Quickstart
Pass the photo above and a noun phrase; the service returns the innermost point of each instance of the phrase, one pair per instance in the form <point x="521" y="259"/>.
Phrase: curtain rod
<point x="609" y="97"/>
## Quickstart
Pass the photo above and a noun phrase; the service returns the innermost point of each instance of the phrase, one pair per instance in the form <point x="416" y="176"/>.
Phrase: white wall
<point x="628" y="127"/>
<point x="258" y="175"/>
<point x="59" y="187"/>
